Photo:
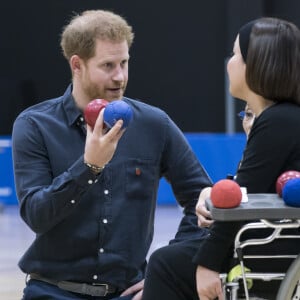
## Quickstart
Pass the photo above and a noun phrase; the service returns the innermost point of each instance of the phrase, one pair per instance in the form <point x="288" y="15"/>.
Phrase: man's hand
<point x="204" y="216"/>
<point x="209" y="285"/>
<point x="101" y="145"/>
<point x="137" y="288"/>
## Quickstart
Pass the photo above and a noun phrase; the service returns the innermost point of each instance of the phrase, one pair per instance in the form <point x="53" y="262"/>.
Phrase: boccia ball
<point x="115" y="111"/>
<point x="236" y="272"/>
<point x="92" y="111"/>
<point x="291" y="192"/>
<point x="284" y="178"/>
<point x="226" y="193"/>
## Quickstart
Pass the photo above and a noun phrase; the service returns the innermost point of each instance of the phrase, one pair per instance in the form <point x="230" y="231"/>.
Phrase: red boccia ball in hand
<point x="226" y="193"/>
<point x="284" y="178"/>
<point x="93" y="109"/>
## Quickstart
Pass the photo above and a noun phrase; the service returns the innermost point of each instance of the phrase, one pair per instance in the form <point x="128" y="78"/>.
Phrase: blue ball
<point x="291" y="192"/>
<point x="115" y="111"/>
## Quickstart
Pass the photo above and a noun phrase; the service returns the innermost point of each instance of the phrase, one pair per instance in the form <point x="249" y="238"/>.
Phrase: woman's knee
<point x="159" y="258"/>
<point x="171" y="258"/>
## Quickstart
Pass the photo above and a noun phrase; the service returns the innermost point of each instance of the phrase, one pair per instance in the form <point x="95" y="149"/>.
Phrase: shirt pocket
<point x="141" y="179"/>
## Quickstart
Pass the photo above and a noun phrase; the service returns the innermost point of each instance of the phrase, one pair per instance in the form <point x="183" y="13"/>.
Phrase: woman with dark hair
<point x="264" y="71"/>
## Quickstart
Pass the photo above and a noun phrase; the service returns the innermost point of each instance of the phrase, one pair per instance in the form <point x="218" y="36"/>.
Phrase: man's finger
<point x="133" y="289"/>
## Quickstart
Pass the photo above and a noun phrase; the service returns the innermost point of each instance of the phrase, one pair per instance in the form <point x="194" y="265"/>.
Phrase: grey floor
<point x="15" y="237"/>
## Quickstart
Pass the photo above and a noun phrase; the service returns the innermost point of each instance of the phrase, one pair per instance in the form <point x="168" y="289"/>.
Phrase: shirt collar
<point x="73" y="113"/>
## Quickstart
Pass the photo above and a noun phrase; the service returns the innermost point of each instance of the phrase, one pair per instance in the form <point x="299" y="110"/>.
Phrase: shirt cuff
<point x="82" y="174"/>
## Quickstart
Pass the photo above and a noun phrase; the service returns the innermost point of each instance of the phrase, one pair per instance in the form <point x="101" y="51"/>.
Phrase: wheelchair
<point x="276" y="217"/>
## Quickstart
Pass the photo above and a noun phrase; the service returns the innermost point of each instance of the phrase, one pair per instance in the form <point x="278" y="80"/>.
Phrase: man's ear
<point x="75" y="63"/>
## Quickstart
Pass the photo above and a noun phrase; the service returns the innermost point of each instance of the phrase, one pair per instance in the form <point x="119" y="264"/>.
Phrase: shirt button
<point x="72" y="201"/>
<point x="95" y="277"/>
<point x="104" y="221"/>
<point x="101" y="250"/>
<point x="90" y="181"/>
<point x="96" y="180"/>
<point x="81" y="119"/>
<point x="106" y="192"/>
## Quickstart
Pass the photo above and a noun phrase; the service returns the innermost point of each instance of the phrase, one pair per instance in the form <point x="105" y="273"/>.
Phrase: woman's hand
<point x="203" y="214"/>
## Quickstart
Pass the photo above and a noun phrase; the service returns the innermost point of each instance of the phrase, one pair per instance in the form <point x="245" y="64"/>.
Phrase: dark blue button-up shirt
<point x="98" y="228"/>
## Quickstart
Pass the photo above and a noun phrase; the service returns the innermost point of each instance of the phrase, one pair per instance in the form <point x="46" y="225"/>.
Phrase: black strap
<point x="99" y="289"/>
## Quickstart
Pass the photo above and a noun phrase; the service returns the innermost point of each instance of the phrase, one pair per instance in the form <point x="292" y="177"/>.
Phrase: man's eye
<point x="124" y="63"/>
<point x="108" y="65"/>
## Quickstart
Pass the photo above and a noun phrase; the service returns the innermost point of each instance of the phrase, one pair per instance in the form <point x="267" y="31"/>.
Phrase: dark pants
<point x="171" y="274"/>
<point x="39" y="290"/>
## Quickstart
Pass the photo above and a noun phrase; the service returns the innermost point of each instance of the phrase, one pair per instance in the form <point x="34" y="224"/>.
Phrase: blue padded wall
<point x="7" y="190"/>
<point x="218" y="153"/>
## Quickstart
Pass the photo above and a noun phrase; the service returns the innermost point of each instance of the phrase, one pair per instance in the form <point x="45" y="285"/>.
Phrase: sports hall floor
<point x="15" y="237"/>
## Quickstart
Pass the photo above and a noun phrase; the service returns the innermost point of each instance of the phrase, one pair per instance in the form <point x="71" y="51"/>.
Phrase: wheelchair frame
<point x="272" y="213"/>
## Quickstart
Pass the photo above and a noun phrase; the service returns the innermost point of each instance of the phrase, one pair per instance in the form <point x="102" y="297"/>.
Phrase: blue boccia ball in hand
<point x="291" y="192"/>
<point x="115" y="111"/>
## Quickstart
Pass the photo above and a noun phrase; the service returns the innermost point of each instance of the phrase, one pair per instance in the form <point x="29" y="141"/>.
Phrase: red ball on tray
<point x="226" y="193"/>
<point x="92" y="111"/>
<point x="284" y="178"/>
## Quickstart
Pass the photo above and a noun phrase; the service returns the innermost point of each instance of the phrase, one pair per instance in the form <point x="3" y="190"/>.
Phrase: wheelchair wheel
<point x="290" y="286"/>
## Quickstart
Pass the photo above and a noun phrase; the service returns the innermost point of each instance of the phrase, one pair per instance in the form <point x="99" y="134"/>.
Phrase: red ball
<point x="284" y="178"/>
<point x="226" y="193"/>
<point x="93" y="109"/>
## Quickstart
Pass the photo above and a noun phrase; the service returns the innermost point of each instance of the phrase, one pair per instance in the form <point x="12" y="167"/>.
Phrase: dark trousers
<point x="171" y="274"/>
<point x="38" y="290"/>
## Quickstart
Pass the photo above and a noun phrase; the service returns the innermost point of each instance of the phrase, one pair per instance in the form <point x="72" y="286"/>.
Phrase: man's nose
<point x="119" y="74"/>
